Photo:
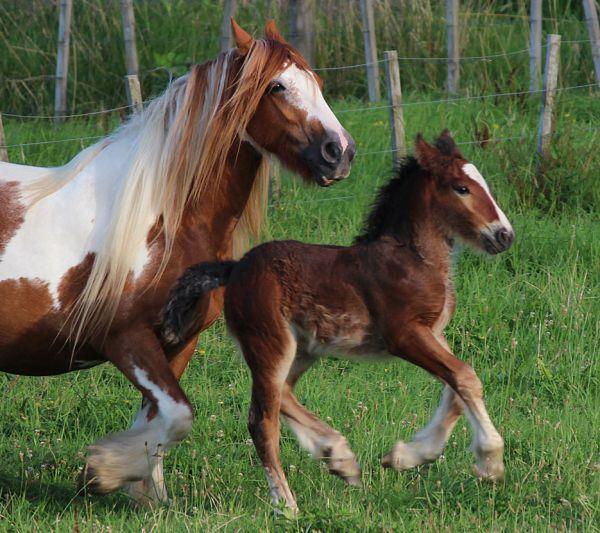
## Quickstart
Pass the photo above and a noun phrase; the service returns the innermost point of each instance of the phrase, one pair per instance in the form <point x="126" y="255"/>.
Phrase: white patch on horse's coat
<point x="303" y="92"/>
<point x="62" y="228"/>
<point x="174" y="412"/>
<point x="471" y="171"/>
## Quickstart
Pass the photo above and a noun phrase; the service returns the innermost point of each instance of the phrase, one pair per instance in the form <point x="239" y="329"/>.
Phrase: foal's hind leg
<point x="166" y="418"/>
<point x="269" y="363"/>
<point x="321" y="440"/>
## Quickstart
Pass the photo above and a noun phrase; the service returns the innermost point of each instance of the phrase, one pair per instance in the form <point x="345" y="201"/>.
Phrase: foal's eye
<point x="276" y="88"/>
<point x="461" y="190"/>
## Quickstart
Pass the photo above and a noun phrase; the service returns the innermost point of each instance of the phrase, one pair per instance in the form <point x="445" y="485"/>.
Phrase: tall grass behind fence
<point x="172" y="35"/>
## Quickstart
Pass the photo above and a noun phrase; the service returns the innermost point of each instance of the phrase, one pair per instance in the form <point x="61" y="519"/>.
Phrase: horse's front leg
<point x="152" y="490"/>
<point x="165" y="418"/>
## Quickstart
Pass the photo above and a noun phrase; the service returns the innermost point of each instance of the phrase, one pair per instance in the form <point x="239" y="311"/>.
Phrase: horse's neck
<point x="219" y="211"/>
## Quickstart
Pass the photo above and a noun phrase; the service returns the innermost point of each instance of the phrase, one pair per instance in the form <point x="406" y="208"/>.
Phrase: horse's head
<point x="463" y="196"/>
<point x="292" y="119"/>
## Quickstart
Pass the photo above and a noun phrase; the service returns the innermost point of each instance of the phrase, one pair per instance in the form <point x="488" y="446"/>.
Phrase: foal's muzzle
<point x="497" y="239"/>
<point x="328" y="160"/>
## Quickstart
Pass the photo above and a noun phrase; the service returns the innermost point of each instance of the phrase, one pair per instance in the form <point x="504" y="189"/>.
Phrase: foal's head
<point x="461" y="197"/>
<point x="292" y="119"/>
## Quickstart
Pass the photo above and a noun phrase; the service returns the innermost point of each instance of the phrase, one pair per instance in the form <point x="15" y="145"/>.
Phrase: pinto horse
<point x="389" y="294"/>
<point x="89" y="251"/>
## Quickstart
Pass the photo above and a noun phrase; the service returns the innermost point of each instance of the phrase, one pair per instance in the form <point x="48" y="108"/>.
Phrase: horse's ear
<point x="426" y="155"/>
<point x="243" y="40"/>
<point x="272" y="32"/>
<point x="446" y="145"/>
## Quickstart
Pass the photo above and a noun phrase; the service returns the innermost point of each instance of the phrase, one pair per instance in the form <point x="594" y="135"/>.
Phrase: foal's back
<point x="331" y="297"/>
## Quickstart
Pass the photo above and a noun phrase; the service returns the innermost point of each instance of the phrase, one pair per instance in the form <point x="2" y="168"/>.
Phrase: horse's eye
<point x="276" y="88"/>
<point x="461" y="189"/>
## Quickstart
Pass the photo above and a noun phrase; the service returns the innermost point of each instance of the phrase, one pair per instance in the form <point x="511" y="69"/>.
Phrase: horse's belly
<point x="32" y="338"/>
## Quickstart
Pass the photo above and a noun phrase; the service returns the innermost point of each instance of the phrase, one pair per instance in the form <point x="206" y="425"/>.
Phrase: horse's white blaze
<point x="62" y="228"/>
<point x="471" y="170"/>
<point x="302" y="91"/>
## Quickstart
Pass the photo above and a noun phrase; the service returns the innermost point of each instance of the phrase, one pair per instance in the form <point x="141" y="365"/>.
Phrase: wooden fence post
<point x="229" y="9"/>
<point x="131" y="57"/>
<point x="591" y="18"/>
<point x="275" y="182"/>
<point x="535" y="46"/>
<point x="368" y="26"/>
<point x="134" y="92"/>
<point x="62" y="59"/>
<point x="302" y="28"/>
<point x="453" y="42"/>
<point x="3" y="149"/>
<point x="550" y="81"/>
<point x="394" y="90"/>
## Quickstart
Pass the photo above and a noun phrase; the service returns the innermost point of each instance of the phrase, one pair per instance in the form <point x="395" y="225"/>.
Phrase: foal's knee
<point x="466" y="382"/>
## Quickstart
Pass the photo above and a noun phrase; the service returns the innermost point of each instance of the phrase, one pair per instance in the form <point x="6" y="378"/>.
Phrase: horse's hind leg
<point x="269" y="362"/>
<point x="165" y="419"/>
<point x="429" y="443"/>
<point x="321" y="440"/>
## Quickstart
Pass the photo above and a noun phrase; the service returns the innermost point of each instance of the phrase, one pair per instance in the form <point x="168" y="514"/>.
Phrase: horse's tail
<point x="198" y="280"/>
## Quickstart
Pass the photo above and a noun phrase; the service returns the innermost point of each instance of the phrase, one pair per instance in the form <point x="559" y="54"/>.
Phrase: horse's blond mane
<point x="179" y="147"/>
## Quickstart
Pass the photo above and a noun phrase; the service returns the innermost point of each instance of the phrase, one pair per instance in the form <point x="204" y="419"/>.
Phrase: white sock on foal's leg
<point x="428" y="444"/>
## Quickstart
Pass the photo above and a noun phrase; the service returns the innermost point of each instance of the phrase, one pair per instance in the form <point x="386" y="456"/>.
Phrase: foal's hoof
<point x="347" y="469"/>
<point x="489" y="472"/>
<point x="405" y="456"/>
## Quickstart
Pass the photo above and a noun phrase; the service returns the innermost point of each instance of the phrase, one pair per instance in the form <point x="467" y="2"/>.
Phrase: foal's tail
<point x="198" y="280"/>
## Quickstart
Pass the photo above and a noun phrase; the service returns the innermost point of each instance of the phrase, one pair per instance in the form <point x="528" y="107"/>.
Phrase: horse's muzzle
<point x="328" y="160"/>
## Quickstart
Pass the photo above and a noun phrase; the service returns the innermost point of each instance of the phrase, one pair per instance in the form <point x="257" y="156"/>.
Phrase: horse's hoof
<point x="90" y="482"/>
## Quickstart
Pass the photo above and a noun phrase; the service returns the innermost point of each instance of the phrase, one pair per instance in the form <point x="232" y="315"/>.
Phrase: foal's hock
<point x="389" y="294"/>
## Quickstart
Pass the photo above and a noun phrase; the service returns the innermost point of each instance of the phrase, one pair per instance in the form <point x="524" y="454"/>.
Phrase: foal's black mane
<point x="390" y="208"/>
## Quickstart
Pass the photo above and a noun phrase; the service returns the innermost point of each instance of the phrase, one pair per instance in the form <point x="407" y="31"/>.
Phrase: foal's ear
<point x="272" y="32"/>
<point x="243" y="40"/>
<point x="427" y="156"/>
<point x="446" y="145"/>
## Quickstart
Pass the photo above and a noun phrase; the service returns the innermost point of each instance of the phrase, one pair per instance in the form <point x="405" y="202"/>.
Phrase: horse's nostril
<point x="331" y="151"/>
<point x="503" y="237"/>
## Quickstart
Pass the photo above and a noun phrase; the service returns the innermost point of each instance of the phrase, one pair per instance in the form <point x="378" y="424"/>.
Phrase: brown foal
<point x="389" y="294"/>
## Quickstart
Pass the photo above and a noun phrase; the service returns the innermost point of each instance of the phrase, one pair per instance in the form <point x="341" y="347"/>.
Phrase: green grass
<point x="528" y="321"/>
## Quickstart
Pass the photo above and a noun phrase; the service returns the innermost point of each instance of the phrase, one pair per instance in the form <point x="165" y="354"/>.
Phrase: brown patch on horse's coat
<point x="12" y="212"/>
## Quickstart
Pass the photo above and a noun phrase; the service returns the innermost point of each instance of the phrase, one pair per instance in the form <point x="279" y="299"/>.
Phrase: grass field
<point x="528" y="321"/>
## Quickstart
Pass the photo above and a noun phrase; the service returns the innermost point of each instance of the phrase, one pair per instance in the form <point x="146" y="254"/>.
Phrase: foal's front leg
<point x="429" y="443"/>
<point x="421" y="347"/>
<point x="164" y="419"/>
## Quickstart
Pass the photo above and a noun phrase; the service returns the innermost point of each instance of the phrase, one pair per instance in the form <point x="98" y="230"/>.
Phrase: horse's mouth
<point x="322" y="181"/>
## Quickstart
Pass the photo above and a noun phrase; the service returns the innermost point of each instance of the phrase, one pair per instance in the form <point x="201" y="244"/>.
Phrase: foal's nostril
<point x="331" y="151"/>
<point x="503" y="237"/>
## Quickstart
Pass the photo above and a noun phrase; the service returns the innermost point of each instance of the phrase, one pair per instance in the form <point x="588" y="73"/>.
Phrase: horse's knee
<point x="180" y="421"/>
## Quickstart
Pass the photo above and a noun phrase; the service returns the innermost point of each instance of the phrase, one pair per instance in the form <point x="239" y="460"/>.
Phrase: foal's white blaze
<point x="302" y="91"/>
<point x="471" y="171"/>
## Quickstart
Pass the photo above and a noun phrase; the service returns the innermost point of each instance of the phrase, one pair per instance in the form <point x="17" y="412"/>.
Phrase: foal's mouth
<point x="322" y="181"/>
